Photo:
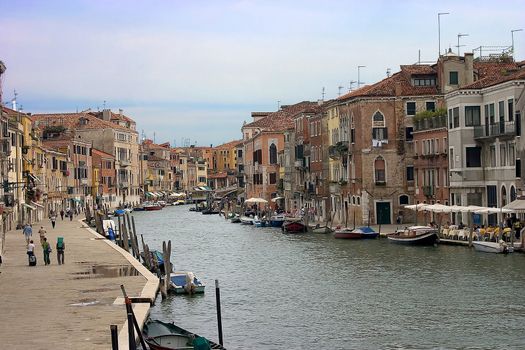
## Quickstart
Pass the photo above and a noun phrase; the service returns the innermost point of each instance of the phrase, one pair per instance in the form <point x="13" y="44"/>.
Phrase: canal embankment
<point x="69" y="306"/>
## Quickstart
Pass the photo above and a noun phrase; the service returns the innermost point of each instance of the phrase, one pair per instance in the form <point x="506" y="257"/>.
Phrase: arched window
<point x="403" y="199"/>
<point x="379" y="129"/>
<point x="378" y="118"/>
<point x="379" y="171"/>
<point x="273" y="154"/>
<point x="503" y="196"/>
<point x="512" y="193"/>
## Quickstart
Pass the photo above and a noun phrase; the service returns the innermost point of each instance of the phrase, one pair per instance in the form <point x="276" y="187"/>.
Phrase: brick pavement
<point x="68" y="306"/>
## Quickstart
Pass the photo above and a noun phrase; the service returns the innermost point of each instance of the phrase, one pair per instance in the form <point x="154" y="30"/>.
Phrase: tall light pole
<point x="439" y="30"/>
<point x="460" y="36"/>
<point x="512" y="35"/>
<point x="359" y="82"/>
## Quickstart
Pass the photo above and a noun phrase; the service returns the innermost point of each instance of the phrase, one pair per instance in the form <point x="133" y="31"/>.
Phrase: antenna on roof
<point x="278" y="104"/>
<point x="352" y="82"/>
<point x="14" y="100"/>
<point x="339" y="88"/>
<point x="104" y="104"/>
<point x="322" y="94"/>
<point x="388" y="72"/>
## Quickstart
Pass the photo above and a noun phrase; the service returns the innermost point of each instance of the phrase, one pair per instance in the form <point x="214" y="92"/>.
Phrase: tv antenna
<point x="339" y="90"/>
<point x="352" y="82"/>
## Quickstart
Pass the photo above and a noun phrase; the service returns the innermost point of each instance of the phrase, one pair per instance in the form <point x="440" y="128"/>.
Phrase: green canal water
<point x="315" y="292"/>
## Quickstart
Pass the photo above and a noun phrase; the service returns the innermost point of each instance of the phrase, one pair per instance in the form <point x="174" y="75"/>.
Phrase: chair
<point x="461" y="235"/>
<point x="444" y="232"/>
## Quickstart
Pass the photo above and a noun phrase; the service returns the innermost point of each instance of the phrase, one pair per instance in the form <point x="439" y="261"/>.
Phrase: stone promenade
<point x="68" y="306"/>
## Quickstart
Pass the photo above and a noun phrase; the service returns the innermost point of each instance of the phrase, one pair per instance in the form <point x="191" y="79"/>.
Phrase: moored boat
<point x="185" y="283"/>
<point x="246" y="220"/>
<point x="322" y="229"/>
<point x="294" y="225"/>
<point x="364" y="232"/>
<point x="257" y="222"/>
<point x="416" y="235"/>
<point x="276" y="220"/>
<point x="492" y="247"/>
<point x="167" y="336"/>
<point x="152" y="206"/>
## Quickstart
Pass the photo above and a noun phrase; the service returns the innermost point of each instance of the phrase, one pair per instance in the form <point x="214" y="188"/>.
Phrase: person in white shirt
<point x="31" y="248"/>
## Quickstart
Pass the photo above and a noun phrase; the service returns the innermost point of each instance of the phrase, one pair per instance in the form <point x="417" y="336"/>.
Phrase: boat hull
<point x="153" y="207"/>
<point x="490" y="247"/>
<point x="428" y="238"/>
<point x="355" y="235"/>
<point x="294" y="227"/>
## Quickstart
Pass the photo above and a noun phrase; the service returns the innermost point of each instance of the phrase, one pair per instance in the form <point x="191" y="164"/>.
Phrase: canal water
<point x="312" y="291"/>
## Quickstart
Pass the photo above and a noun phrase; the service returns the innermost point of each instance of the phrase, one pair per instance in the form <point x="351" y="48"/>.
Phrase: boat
<point x="182" y="282"/>
<point x="417" y="235"/>
<point x="167" y="336"/>
<point x="179" y="202"/>
<point x="235" y="219"/>
<point x="162" y="203"/>
<point x="322" y="229"/>
<point x="492" y="247"/>
<point x="152" y="206"/>
<point x="357" y="233"/>
<point x="246" y="220"/>
<point x="259" y="222"/>
<point x="210" y="212"/>
<point x="294" y="225"/>
<point x="138" y="208"/>
<point x="277" y="220"/>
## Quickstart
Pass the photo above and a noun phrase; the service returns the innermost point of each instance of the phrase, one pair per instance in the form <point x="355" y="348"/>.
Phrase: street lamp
<point x="359" y="82"/>
<point x="512" y="35"/>
<point x="460" y="36"/>
<point x="439" y="30"/>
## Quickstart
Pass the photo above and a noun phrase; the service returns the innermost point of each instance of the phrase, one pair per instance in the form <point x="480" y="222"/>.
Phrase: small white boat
<point x="492" y="247"/>
<point x="246" y="220"/>
<point x="185" y="283"/>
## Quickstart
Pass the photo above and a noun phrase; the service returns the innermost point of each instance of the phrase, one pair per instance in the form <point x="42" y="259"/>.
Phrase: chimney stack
<point x="106" y="114"/>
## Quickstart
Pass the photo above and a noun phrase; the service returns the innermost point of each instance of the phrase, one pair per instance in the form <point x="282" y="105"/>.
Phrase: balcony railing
<point x="125" y="163"/>
<point x="495" y="130"/>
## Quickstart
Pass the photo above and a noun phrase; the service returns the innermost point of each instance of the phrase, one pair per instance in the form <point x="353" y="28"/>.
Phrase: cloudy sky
<point x="192" y="71"/>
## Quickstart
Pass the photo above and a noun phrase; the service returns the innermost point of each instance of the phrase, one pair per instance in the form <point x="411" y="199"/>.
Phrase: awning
<point x="38" y="205"/>
<point x="28" y="206"/>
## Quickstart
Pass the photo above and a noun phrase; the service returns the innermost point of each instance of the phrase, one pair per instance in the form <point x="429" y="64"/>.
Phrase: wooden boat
<point x="246" y="220"/>
<point x="152" y="206"/>
<point x="416" y="235"/>
<point x="167" y="336"/>
<point x="277" y="220"/>
<point x="185" y="283"/>
<point x="492" y="247"/>
<point x="210" y="212"/>
<point x="294" y="225"/>
<point x="322" y="229"/>
<point x="364" y="232"/>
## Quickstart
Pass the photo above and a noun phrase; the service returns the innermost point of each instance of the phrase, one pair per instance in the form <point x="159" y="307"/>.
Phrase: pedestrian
<point x="46" y="248"/>
<point x="61" y="246"/>
<point x="62" y="214"/>
<point x="31" y="253"/>
<point x="42" y="233"/>
<point x="70" y="215"/>
<point x="53" y="219"/>
<point x="28" y="232"/>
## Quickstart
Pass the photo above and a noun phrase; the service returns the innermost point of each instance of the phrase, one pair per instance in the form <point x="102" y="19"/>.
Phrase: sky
<point x="191" y="72"/>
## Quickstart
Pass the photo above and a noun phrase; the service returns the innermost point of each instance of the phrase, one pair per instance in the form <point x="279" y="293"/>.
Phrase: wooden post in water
<point x="219" y="317"/>
<point x="119" y="240"/>
<point x="135" y="238"/>
<point x="147" y="258"/>
<point x="166" y="251"/>
<point x="124" y="235"/>
<point x="114" y="336"/>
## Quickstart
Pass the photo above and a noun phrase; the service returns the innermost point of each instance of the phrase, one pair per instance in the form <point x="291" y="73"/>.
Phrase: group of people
<point x="46" y="246"/>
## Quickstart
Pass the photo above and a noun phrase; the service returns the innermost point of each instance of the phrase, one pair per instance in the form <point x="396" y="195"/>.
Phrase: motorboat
<point x="415" y="235"/>
<point x="322" y="229"/>
<point x="148" y="206"/>
<point x="235" y="219"/>
<point x="294" y="225"/>
<point x="492" y="247"/>
<point x="182" y="282"/>
<point x="257" y="222"/>
<point x="364" y="232"/>
<point x="277" y="220"/>
<point x="246" y="220"/>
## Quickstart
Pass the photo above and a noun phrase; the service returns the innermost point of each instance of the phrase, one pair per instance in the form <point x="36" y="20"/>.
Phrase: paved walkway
<point x="68" y="306"/>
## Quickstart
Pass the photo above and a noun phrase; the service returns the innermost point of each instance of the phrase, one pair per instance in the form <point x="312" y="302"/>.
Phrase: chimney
<point x="106" y="114"/>
<point x="469" y="68"/>
<point x="398" y="88"/>
<point x="120" y="111"/>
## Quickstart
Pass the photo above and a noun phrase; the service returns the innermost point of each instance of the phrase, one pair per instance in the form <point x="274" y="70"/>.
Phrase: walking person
<point x="31" y="253"/>
<point x="61" y="246"/>
<point x="53" y="219"/>
<point x="42" y="232"/>
<point x="46" y="248"/>
<point x="71" y="215"/>
<point x="28" y="232"/>
<point x="62" y="214"/>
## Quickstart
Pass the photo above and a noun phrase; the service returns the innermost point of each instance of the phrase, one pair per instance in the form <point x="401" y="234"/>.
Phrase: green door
<point x="383" y="213"/>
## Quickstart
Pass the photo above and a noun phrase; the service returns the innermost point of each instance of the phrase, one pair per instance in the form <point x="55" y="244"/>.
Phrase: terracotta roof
<point x="387" y="86"/>
<point x="12" y="113"/>
<point x="114" y="116"/>
<point x="220" y="175"/>
<point x="155" y="159"/>
<point x="490" y="68"/>
<point x="496" y="77"/>
<point x="284" y="118"/>
<point x="72" y="121"/>
<point x="102" y="153"/>
<point x="228" y="145"/>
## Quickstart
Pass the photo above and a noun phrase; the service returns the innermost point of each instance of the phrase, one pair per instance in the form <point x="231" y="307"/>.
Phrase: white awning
<point x="28" y="206"/>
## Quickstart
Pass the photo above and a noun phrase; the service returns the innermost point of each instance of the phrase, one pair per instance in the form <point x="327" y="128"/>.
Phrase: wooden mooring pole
<point x="114" y="337"/>
<point x="219" y="317"/>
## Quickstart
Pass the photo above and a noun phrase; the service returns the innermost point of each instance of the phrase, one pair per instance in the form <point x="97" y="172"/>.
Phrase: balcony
<point x="124" y="163"/>
<point x="123" y="184"/>
<point x="338" y="150"/>
<point x="428" y="191"/>
<point x="495" y="130"/>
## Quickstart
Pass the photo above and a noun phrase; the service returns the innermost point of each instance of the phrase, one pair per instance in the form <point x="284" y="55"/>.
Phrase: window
<point x="380" y="134"/>
<point x="501" y="110"/>
<point x="352" y="135"/>
<point x="518" y="123"/>
<point x="492" y="156"/>
<point x="511" y="154"/>
<point x="424" y="81"/>
<point x="273" y="178"/>
<point x="511" y="109"/>
<point x="379" y="170"/>
<point x="473" y="155"/>
<point x="410" y="173"/>
<point x="518" y="167"/>
<point x="472" y="115"/>
<point x="409" y="136"/>
<point x="452" y="158"/>
<point x="491" y="113"/>
<point x="453" y="78"/>
<point x="411" y="108"/>
<point x="273" y="154"/>
<point x="455" y="112"/>
<point x="450" y="124"/>
<point x="403" y="199"/>
<point x="431" y="106"/>
<point x="503" y="155"/>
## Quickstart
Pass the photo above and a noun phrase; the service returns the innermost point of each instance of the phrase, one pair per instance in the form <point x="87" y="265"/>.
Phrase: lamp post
<point x="512" y="35"/>
<point x="359" y="82"/>
<point x="439" y="30"/>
